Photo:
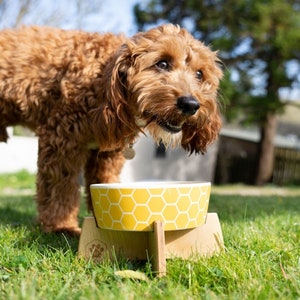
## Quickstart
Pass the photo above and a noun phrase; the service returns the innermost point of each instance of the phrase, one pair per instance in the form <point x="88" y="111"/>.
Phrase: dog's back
<point x="42" y="68"/>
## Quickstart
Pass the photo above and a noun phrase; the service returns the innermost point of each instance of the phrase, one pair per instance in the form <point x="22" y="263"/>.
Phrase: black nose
<point x="188" y="105"/>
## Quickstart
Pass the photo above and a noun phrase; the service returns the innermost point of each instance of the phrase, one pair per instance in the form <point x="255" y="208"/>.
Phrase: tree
<point x="257" y="41"/>
<point x="22" y="10"/>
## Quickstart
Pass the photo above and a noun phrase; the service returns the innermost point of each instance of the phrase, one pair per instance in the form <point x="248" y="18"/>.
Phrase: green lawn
<point x="261" y="259"/>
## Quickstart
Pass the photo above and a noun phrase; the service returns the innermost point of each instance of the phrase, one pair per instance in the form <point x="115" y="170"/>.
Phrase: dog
<point x="88" y="96"/>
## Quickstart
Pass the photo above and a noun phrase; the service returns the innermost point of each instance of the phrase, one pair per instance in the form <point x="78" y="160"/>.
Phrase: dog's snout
<point x="188" y="105"/>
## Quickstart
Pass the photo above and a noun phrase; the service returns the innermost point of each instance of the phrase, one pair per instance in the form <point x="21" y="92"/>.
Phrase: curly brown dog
<point x="77" y="89"/>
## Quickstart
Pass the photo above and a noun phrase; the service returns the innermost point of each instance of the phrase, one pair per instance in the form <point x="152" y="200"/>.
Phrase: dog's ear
<point x="197" y="137"/>
<point x="113" y="120"/>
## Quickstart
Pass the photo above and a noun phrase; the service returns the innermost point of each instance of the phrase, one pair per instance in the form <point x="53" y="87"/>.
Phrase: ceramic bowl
<point x="135" y="206"/>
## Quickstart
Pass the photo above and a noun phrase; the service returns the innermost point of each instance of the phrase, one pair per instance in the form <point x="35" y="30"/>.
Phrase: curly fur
<point x="75" y="88"/>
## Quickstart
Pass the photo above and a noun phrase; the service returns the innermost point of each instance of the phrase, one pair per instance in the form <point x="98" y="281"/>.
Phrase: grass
<point x="261" y="259"/>
<point x="20" y="182"/>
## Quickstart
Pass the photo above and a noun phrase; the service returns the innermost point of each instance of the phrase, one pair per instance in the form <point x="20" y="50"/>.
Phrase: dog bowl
<point x="135" y="206"/>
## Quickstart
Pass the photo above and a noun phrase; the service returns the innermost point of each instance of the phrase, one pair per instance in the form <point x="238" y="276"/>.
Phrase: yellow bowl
<point x="135" y="206"/>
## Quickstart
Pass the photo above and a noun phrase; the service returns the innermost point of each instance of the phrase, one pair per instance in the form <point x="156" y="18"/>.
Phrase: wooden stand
<point x="97" y="243"/>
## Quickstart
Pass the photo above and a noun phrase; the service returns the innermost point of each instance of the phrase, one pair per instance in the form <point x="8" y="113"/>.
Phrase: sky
<point x="93" y="15"/>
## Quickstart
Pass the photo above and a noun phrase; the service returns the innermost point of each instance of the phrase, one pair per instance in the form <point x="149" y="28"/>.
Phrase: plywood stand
<point x="158" y="245"/>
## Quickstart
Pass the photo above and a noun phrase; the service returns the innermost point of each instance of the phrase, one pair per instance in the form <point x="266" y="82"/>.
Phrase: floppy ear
<point x="113" y="121"/>
<point x="196" y="137"/>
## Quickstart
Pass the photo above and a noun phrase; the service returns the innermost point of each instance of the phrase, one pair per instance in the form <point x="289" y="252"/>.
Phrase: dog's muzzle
<point x="188" y="105"/>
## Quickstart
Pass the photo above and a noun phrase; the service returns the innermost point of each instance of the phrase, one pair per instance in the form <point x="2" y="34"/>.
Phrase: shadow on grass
<point x="18" y="212"/>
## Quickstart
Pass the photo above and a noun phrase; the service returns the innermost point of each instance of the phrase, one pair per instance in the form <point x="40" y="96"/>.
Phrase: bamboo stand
<point x="158" y="245"/>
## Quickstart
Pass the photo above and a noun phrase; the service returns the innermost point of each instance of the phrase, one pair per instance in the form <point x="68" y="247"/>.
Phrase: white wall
<point x="21" y="153"/>
<point x="177" y="164"/>
<point x="18" y="153"/>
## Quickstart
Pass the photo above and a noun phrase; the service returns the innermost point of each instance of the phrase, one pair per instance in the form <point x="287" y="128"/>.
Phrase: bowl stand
<point x="157" y="245"/>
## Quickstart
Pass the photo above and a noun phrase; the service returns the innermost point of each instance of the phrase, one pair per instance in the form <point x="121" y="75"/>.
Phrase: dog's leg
<point x="3" y="134"/>
<point x="102" y="167"/>
<point x="58" y="190"/>
<point x="3" y="123"/>
<point x="10" y="115"/>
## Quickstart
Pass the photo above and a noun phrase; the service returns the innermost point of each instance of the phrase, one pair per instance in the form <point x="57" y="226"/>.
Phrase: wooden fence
<point x="286" y="166"/>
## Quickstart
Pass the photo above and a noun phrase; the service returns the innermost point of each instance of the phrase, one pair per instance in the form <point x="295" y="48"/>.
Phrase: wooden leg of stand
<point x="205" y="240"/>
<point x="91" y="244"/>
<point x="98" y="244"/>
<point x="157" y="248"/>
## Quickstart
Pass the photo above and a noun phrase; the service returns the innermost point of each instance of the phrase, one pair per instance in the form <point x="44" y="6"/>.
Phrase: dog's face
<point x="169" y="82"/>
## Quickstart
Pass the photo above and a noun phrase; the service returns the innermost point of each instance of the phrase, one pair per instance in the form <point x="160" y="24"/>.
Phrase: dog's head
<point x="166" y="82"/>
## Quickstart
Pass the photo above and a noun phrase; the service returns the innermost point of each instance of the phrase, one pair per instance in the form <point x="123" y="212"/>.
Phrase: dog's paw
<point x="74" y="231"/>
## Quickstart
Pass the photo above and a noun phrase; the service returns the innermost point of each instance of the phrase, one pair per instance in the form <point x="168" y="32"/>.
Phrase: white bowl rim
<point x="150" y="184"/>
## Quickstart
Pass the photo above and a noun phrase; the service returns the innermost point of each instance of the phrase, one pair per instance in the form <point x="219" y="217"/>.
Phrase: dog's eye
<point x="199" y="74"/>
<point x="163" y="65"/>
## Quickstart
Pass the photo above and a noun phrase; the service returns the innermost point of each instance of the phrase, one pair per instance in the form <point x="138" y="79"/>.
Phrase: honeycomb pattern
<point x="135" y="208"/>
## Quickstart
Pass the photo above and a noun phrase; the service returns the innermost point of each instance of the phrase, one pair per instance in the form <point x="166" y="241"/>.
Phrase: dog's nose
<point x="188" y="105"/>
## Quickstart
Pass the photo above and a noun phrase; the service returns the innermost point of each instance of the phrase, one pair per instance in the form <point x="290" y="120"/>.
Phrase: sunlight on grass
<point x="261" y="259"/>
<point x="21" y="181"/>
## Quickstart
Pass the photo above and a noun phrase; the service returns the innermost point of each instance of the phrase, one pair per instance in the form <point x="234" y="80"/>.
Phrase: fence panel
<point x="286" y="166"/>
